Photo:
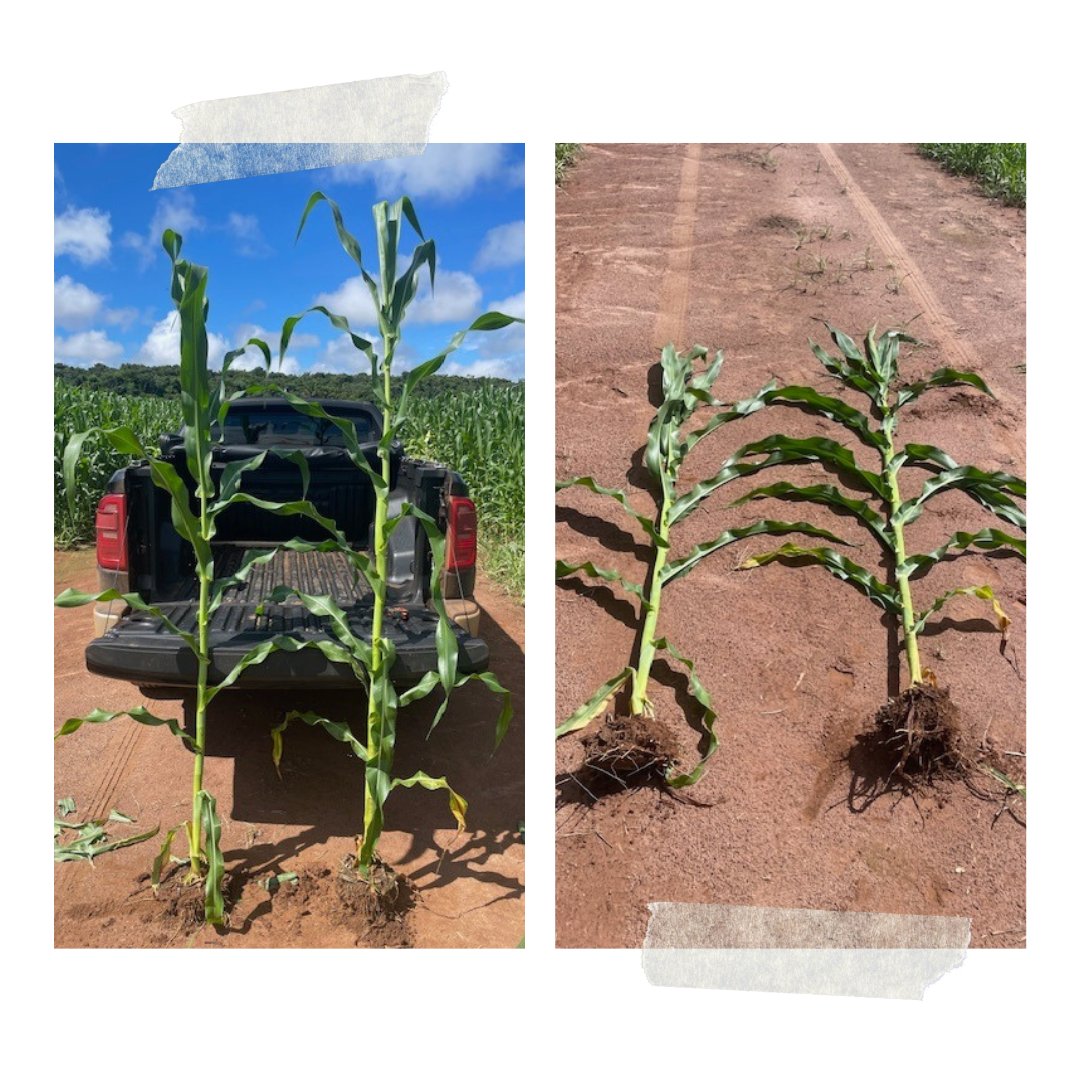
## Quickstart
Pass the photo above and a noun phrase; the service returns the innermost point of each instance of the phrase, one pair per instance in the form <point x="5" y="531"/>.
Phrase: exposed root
<point x="921" y="729"/>
<point x="377" y="906"/>
<point x="625" y="752"/>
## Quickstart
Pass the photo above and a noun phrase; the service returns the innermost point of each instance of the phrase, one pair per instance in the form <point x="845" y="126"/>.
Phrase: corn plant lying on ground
<point x="634" y="748"/>
<point x="921" y="725"/>
<point x="203" y="405"/>
<point x="372" y="661"/>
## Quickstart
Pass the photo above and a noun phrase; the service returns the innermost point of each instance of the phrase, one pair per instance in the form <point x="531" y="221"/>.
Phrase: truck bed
<point x="141" y="650"/>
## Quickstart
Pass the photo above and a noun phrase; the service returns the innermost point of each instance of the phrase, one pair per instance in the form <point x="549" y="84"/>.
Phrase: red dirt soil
<point x="469" y="888"/>
<point x="743" y="247"/>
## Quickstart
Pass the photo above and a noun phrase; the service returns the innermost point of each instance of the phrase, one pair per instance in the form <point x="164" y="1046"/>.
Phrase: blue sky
<point x="112" y="301"/>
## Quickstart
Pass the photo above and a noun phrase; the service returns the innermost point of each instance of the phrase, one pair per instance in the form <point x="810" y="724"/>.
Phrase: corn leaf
<point x="740" y="409"/>
<point x="780" y="450"/>
<point x="708" y="719"/>
<point x="161" y="859"/>
<point x="941" y="377"/>
<point x="76" y="598"/>
<point x="458" y="806"/>
<point x="679" y="567"/>
<point x="803" y="397"/>
<point x="990" y="490"/>
<point x="336" y="730"/>
<point x="982" y="592"/>
<point x="826" y="495"/>
<point x="564" y="569"/>
<point x="644" y="520"/>
<point x="595" y="705"/>
<point x="986" y="539"/>
<point x="837" y="565"/>
<point x="139" y="714"/>
<point x="214" y="908"/>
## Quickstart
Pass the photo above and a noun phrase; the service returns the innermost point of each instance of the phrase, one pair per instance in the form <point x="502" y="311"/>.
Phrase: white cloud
<point x="82" y="234"/>
<point x="444" y="171"/>
<point x="505" y="367"/>
<point x="162" y="344"/>
<point x="503" y="246"/>
<point x="512" y="305"/>
<point x="122" y="317"/>
<point x="351" y="299"/>
<point x="342" y="357"/>
<point x="457" y="298"/>
<point x="74" y="304"/>
<point x="246" y="231"/>
<point x="87" y="348"/>
<point x="175" y="210"/>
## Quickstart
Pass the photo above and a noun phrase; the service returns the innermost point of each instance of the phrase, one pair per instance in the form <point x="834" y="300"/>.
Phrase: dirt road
<point x="744" y="247"/>
<point x="471" y="896"/>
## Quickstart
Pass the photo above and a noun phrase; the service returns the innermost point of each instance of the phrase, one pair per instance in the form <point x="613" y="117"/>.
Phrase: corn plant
<point x="203" y="406"/>
<point x="372" y="660"/>
<point x="685" y="390"/>
<point x="874" y="372"/>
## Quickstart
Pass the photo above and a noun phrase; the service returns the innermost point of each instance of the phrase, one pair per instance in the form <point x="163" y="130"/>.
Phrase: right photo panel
<point x="790" y="533"/>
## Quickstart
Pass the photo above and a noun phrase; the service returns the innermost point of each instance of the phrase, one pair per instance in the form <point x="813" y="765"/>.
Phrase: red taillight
<point x="111" y="524"/>
<point x="461" y="534"/>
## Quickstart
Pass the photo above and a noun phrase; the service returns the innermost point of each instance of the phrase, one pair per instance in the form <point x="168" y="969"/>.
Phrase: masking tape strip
<point x="787" y="950"/>
<point x="313" y="128"/>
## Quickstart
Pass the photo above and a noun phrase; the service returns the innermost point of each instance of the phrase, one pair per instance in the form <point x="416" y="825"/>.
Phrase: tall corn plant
<point x="874" y="372"/>
<point x="685" y="390"/>
<point x="195" y="519"/>
<point x="372" y="661"/>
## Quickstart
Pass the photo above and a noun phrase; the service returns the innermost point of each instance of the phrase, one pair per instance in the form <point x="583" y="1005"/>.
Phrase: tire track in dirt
<point x="887" y="240"/>
<point x="120" y="764"/>
<point x="675" y="287"/>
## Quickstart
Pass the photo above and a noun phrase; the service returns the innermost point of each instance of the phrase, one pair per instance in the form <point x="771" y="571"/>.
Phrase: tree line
<point x="157" y="381"/>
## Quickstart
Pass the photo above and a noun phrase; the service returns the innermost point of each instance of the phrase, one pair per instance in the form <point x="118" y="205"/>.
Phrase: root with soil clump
<point x="380" y="904"/>
<point x="626" y="751"/>
<point x="922" y="732"/>
<point x="183" y="904"/>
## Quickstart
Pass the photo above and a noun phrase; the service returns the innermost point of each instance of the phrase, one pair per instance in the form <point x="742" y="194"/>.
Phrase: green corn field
<point x="479" y="432"/>
<point x="79" y="409"/>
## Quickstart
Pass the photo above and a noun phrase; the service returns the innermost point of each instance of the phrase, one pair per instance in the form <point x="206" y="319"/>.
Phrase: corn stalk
<point x="203" y="405"/>
<point x="874" y="372"/>
<point x="372" y="660"/>
<point x="685" y="390"/>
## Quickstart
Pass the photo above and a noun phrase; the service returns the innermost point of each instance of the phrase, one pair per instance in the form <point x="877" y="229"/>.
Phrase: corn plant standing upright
<point x="203" y="405"/>
<point x="633" y="749"/>
<point x="372" y="661"/>
<point x="921" y="724"/>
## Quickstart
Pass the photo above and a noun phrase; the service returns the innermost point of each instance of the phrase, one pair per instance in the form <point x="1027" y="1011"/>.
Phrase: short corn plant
<point x="685" y="390"/>
<point x="372" y="661"/>
<point x="874" y="372"/>
<point x="203" y="406"/>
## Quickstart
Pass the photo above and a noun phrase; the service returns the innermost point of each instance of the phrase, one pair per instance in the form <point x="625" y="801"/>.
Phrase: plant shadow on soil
<point x="321" y="788"/>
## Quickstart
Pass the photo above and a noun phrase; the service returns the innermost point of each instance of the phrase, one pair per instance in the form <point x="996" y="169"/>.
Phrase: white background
<point x="569" y="71"/>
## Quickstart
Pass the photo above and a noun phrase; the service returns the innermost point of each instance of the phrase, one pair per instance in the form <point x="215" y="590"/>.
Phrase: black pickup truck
<point x="138" y="550"/>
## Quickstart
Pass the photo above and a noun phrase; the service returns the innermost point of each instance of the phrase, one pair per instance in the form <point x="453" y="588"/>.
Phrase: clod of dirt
<point x="921" y="730"/>
<point x="183" y="905"/>
<point x="626" y="751"/>
<point x="379" y="905"/>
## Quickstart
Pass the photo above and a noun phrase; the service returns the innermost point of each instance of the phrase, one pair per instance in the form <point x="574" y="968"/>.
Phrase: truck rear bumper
<point x="139" y="651"/>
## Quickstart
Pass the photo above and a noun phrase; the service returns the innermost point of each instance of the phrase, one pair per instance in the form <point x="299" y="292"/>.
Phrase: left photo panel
<point x="289" y="559"/>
